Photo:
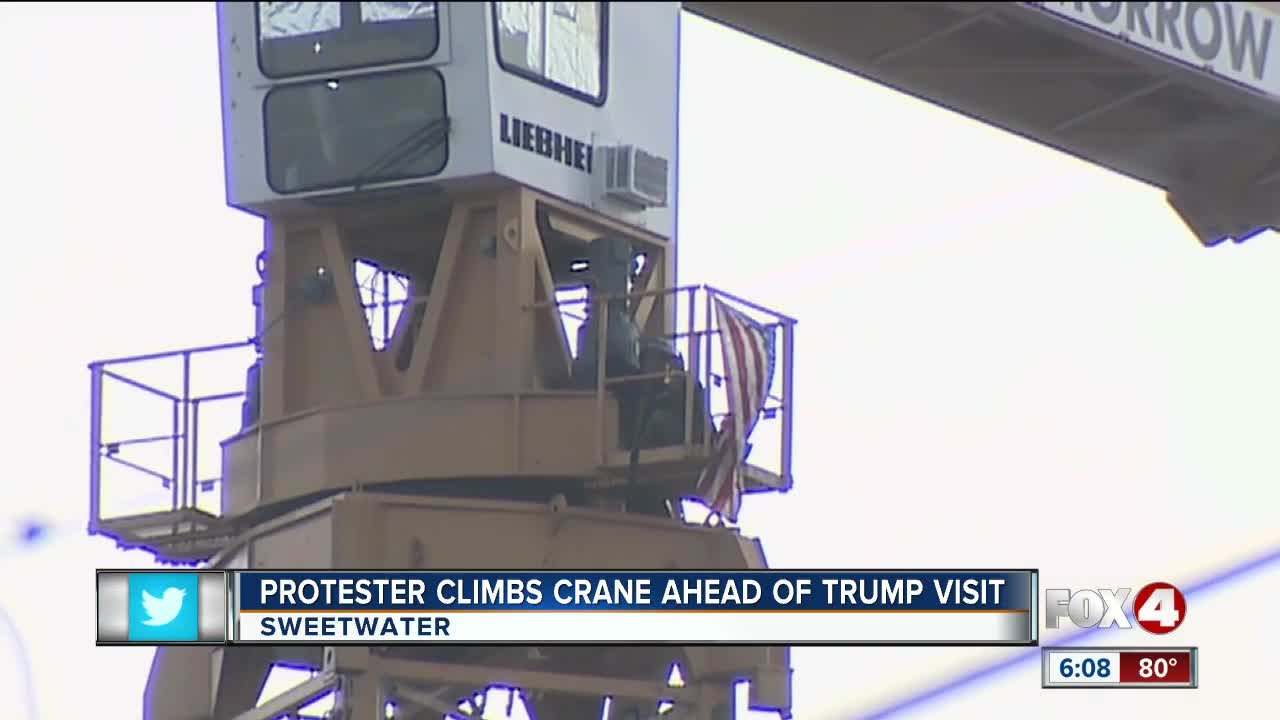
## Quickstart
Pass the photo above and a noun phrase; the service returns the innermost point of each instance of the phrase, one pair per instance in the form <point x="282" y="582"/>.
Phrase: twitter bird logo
<point x="163" y="607"/>
<point x="162" y="610"/>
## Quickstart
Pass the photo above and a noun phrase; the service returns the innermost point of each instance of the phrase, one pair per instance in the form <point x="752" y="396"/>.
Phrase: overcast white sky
<point x="1007" y="358"/>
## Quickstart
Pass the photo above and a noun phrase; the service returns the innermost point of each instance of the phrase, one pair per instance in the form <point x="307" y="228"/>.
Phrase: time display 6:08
<point x="1089" y="667"/>
<point x="1084" y="667"/>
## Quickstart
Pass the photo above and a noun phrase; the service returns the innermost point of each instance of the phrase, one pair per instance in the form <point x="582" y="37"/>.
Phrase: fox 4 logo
<point x="1159" y="608"/>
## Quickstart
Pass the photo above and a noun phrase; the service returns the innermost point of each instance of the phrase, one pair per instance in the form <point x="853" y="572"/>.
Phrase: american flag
<point x="750" y="354"/>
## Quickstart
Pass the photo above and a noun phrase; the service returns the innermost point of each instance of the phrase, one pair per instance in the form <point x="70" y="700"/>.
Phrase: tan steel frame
<point x="372" y="530"/>
<point x="483" y="402"/>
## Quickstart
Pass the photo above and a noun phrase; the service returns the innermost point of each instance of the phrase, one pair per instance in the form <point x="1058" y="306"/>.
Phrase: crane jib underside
<point x="1236" y="42"/>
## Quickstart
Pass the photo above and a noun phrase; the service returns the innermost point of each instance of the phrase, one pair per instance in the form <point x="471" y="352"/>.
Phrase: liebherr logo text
<point x="551" y="144"/>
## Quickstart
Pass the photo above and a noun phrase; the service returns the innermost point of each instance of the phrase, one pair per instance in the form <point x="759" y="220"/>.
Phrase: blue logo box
<point x="140" y="607"/>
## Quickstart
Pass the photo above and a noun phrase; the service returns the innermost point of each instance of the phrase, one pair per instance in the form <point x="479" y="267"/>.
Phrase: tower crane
<point x="491" y="159"/>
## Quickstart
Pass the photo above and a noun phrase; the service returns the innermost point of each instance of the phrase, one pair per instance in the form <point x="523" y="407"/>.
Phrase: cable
<point x="1224" y="576"/>
<point x="24" y="663"/>
<point x="425" y="139"/>
<point x="31" y="532"/>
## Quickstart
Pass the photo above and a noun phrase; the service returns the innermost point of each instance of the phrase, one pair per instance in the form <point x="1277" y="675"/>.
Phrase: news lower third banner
<point x="772" y="607"/>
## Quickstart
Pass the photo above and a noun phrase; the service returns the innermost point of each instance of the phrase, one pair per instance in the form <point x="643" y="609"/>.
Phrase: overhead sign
<point x="1238" y="41"/>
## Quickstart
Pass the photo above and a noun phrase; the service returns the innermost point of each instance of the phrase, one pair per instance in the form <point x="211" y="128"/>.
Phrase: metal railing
<point x="161" y="447"/>
<point x="704" y="368"/>
<point x="166" y="453"/>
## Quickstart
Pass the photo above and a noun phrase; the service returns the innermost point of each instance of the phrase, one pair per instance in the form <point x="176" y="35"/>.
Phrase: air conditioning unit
<point x="635" y="177"/>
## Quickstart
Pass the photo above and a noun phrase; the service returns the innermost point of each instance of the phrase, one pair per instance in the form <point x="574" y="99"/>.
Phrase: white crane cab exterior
<point x="323" y="101"/>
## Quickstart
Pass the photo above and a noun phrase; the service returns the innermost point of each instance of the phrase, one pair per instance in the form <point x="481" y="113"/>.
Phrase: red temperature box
<point x="1173" y="666"/>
